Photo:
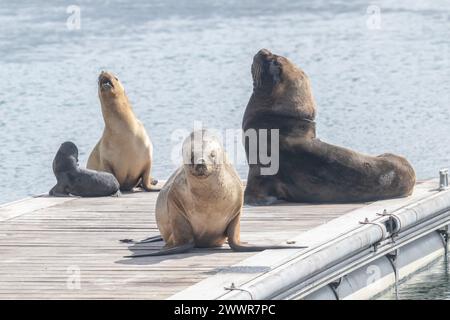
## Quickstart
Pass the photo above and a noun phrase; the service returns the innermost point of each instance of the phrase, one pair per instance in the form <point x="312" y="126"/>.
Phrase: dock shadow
<point x="142" y="248"/>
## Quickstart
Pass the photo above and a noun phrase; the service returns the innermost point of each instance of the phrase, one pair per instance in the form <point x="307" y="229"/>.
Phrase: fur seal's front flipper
<point x="152" y="239"/>
<point x="166" y="251"/>
<point x="151" y="188"/>
<point x="148" y="183"/>
<point x="146" y="240"/>
<point x="58" y="194"/>
<point x="58" y="191"/>
<point x="233" y="234"/>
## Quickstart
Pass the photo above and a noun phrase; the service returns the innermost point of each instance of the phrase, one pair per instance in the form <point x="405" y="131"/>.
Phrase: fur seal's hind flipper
<point x="126" y="240"/>
<point x="239" y="247"/>
<point x="164" y="252"/>
<point x="152" y="239"/>
<point x="236" y="244"/>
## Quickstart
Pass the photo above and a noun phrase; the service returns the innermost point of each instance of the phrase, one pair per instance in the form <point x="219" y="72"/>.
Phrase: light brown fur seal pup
<point x="201" y="203"/>
<point x="310" y="170"/>
<point x="124" y="149"/>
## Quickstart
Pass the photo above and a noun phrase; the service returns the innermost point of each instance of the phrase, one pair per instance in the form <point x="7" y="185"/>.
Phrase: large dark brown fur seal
<point x="310" y="170"/>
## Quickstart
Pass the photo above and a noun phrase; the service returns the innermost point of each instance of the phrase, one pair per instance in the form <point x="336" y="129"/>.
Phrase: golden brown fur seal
<point x="124" y="149"/>
<point x="201" y="203"/>
<point x="310" y="170"/>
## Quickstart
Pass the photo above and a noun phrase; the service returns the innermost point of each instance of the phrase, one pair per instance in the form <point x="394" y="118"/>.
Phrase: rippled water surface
<point x="432" y="283"/>
<point x="377" y="90"/>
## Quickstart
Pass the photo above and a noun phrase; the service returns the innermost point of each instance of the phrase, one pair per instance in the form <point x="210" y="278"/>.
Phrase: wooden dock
<point x="74" y="248"/>
<point x="70" y="248"/>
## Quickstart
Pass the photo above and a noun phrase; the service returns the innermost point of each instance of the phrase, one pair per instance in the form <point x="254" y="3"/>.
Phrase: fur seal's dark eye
<point x="116" y="78"/>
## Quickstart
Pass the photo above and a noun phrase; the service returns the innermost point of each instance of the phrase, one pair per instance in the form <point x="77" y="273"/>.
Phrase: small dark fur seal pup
<point x="73" y="180"/>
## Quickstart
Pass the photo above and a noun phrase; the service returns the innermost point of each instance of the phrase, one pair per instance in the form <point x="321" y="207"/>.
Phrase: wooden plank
<point x="14" y="209"/>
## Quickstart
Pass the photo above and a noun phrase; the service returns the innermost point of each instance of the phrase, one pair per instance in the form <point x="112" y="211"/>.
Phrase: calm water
<point x="377" y="89"/>
<point x="433" y="282"/>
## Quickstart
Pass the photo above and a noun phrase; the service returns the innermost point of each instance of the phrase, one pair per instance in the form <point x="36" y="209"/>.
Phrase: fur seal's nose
<point x="264" y="53"/>
<point x="201" y="165"/>
<point x="104" y="73"/>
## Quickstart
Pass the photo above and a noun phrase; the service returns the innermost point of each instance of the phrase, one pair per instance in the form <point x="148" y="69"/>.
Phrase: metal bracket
<point x="233" y="287"/>
<point x="443" y="179"/>
<point x="392" y="257"/>
<point x="392" y="224"/>
<point x="445" y="235"/>
<point x="334" y="286"/>
<point x="385" y="213"/>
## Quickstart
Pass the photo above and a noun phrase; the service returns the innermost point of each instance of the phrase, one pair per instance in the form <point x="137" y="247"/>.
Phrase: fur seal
<point x="310" y="170"/>
<point x="201" y="203"/>
<point x="73" y="180"/>
<point x="124" y="149"/>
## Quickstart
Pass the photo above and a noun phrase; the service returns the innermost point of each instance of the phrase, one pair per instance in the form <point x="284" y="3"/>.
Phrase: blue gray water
<point x="431" y="283"/>
<point x="381" y="81"/>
